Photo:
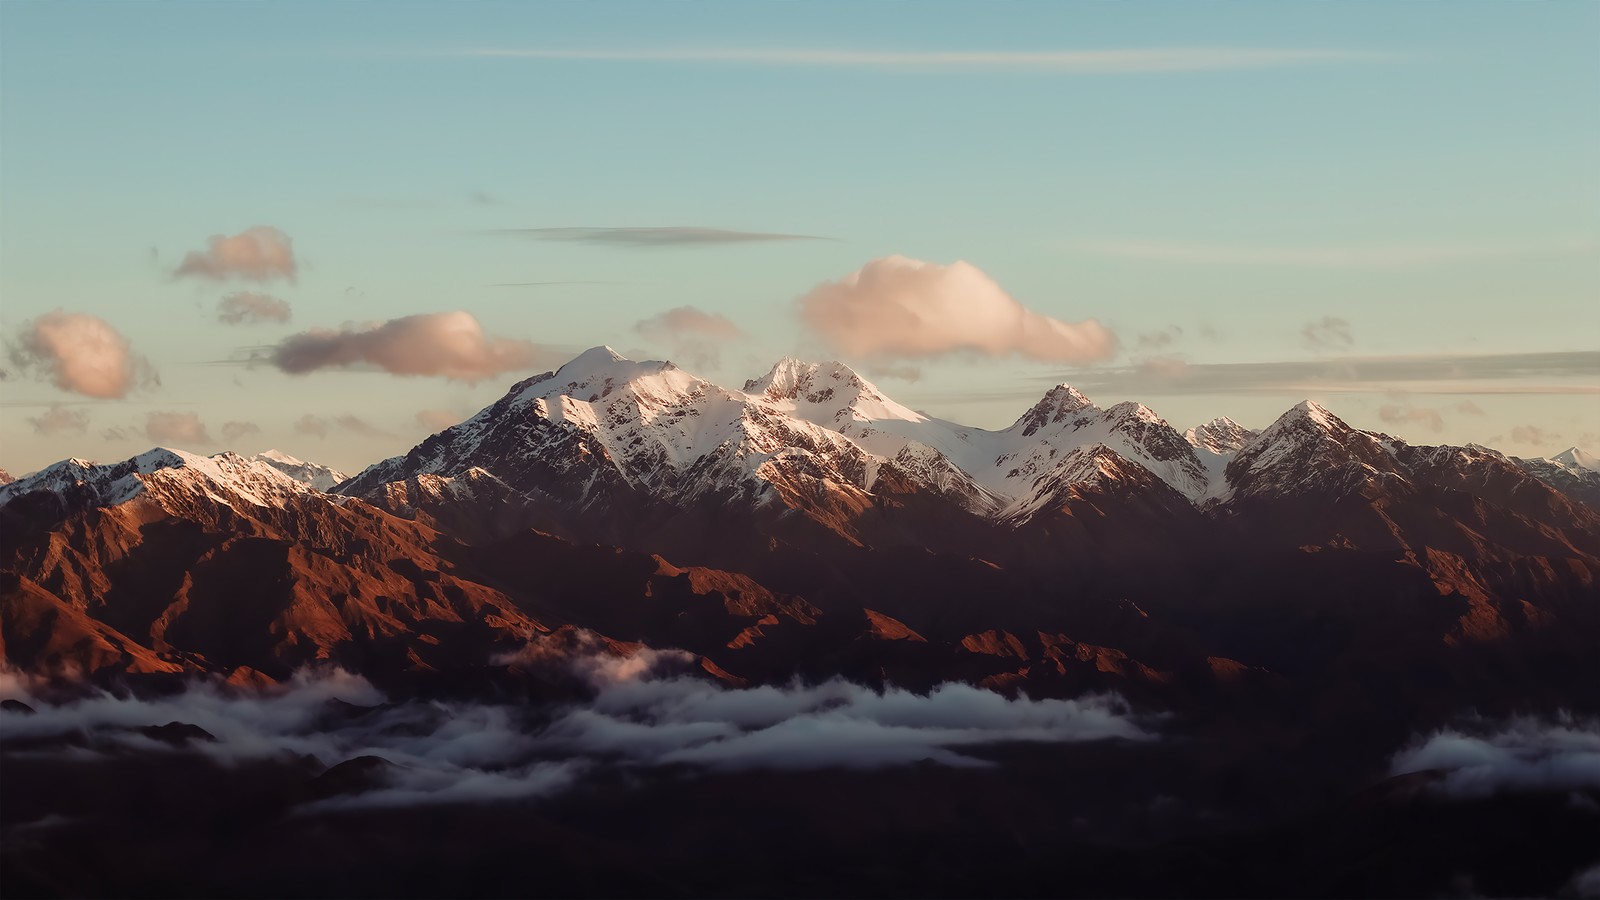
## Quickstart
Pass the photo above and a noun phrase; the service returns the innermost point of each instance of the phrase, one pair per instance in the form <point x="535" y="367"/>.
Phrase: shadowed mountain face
<point x="1292" y="604"/>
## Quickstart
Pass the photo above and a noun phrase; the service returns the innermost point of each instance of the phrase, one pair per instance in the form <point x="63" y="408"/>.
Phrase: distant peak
<point x="1128" y="409"/>
<point x="280" y="456"/>
<point x="1573" y="458"/>
<point x="594" y="356"/>
<point x="1057" y="404"/>
<point x="1220" y="435"/>
<point x="1315" y="412"/>
<point x="790" y="377"/>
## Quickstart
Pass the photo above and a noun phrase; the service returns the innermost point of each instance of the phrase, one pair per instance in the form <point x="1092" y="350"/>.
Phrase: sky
<point x="335" y="228"/>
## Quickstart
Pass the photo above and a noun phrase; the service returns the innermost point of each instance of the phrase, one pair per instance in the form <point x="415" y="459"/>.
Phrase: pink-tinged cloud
<point x="60" y="420"/>
<point x="1533" y="434"/>
<point x="176" y="428"/>
<point x="897" y="307"/>
<point x="451" y="345"/>
<point x="691" y="334"/>
<point x="261" y="253"/>
<point x="1395" y="414"/>
<point x="249" y="308"/>
<point x="232" y="431"/>
<point x="322" y="426"/>
<point x="686" y="321"/>
<point x="80" y="353"/>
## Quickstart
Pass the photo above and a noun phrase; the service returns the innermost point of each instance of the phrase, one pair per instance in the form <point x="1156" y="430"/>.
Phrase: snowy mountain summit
<point x="809" y="434"/>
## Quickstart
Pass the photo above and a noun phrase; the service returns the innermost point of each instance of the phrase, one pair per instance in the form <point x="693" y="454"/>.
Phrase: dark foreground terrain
<point x="544" y="656"/>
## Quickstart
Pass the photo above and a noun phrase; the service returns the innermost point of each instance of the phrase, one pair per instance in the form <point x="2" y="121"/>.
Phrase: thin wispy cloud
<point x="1373" y="256"/>
<point x="662" y="236"/>
<point x="1498" y="373"/>
<point x="1085" y="62"/>
<point x="549" y="283"/>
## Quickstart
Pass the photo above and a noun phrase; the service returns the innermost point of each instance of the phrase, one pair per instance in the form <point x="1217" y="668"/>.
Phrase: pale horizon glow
<point x="1120" y="61"/>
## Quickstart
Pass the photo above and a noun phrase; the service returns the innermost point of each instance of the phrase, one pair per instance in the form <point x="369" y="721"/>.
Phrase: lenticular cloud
<point x="80" y="353"/>
<point x="900" y="307"/>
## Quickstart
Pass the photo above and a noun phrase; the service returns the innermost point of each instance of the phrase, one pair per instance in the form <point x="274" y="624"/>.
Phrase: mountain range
<point x="1290" y="605"/>
<point x="785" y="526"/>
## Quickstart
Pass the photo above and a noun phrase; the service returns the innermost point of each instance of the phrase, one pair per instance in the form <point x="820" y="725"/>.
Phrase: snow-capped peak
<point x="587" y="363"/>
<point x="1059" y="404"/>
<point x="313" y="475"/>
<point x="278" y="456"/>
<point x="1573" y="458"/>
<point x="826" y="393"/>
<point x="226" y="477"/>
<point x="1221" y="435"/>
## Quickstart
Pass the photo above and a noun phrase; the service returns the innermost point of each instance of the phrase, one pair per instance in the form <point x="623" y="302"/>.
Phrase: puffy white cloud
<point x="176" y="428"/>
<point x="897" y="307"/>
<point x="80" y="353"/>
<point x="261" y="253"/>
<point x="60" y="420"/>
<point x="249" y="308"/>
<point x="450" y="344"/>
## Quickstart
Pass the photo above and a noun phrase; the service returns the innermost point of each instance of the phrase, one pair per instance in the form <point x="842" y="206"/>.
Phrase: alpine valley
<point x="1270" y="618"/>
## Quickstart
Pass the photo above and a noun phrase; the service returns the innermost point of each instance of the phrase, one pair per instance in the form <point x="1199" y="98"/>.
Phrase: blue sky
<point x="1208" y="181"/>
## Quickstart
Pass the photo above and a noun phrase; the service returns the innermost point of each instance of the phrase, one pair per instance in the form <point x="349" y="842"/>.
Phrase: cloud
<point x="666" y="236"/>
<point x="80" y="353"/>
<point x="320" y="426"/>
<point x="897" y="307"/>
<point x="1066" y="62"/>
<point x="1532" y="434"/>
<point x="246" y="307"/>
<point x="686" y="321"/>
<point x="1384" y="256"/>
<point x="1396" y="414"/>
<point x="1491" y="373"/>
<point x="1524" y="754"/>
<point x="449" y="752"/>
<point x="692" y="334"/>
<point x="438" y="419"/>
<point x="60" y="420"/>
<point x="899" y="373"/>
<point x="1329" y="333"/>
<point x="175" y="428"/>
<point x="451" y="344"/>
<point x="232" y="431"/>
<point x="261" y="253"/>
<point x="1467" y="407"/>
<point x="1156" y="340"/>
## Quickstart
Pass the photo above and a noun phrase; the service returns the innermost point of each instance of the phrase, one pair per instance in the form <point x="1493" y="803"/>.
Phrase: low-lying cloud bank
<point x="446" y="752"/>
<point x="1524" y="754"/>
